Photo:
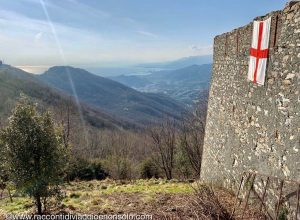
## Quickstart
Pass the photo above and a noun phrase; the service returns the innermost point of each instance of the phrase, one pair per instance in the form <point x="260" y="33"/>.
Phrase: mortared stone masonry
<point x="251" y="127"/>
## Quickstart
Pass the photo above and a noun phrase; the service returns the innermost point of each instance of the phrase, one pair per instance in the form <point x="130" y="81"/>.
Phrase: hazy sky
<point x="117" y="32"/>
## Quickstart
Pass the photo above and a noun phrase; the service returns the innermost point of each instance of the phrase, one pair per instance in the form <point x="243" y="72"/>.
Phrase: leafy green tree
<point x="34" y="153"/>
<point x="3" y="171"/>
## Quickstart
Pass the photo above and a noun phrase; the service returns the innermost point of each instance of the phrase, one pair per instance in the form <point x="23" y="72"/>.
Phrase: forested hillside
<point x="113" y="97"/>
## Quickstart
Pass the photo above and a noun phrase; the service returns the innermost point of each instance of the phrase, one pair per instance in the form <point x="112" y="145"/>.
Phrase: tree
<point x="191" y="142"/>
<point x="192" y="134"/>
<point x="34" y="152"/>
<point x="164" y="142"/>
<point x="3" y="171"/>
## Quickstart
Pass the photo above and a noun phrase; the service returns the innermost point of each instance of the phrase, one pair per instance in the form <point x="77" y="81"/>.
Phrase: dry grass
<point x="163" y="199"/>
<point x="208" y="205"/>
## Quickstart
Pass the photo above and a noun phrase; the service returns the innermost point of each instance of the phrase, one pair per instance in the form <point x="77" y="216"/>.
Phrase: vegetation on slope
<point x="14" y="81"/>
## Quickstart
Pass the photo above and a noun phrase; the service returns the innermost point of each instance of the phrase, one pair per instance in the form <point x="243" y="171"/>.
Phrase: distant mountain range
<point x="111" y="96"/>
<point x="148" y="68"/>
<point x="184" y="84"/>
<point x="180" y="63"/>
<point x="120" y="102"/>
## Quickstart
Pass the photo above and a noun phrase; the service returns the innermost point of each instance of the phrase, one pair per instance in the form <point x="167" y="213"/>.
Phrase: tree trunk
<point x="45" y="204"/>
<point x="169" y="174"/>
<point x="39" y="205"/>
<point x="9" y="193"/>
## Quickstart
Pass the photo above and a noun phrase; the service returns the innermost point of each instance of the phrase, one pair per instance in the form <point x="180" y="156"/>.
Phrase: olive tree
<point x="34" y="153"/>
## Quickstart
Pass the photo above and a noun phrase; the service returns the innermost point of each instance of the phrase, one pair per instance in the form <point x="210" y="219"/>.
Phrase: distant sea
<point x="34" y="69"/>
<point x="116" y="71"/>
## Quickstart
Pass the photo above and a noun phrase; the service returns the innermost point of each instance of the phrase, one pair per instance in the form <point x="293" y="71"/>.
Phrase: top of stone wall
<point x="289" y="7"/>
<point x="234" y="45"/>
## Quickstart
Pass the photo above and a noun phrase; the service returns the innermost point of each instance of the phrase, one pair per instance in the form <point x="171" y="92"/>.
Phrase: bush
<point x="83" y="169"/>
<point x="149" y="169"/>
<point x="183" y="166"/>
<point x="119" y="168"/>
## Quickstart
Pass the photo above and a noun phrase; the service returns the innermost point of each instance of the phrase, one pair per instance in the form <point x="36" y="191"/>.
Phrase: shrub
<point x="183" y="166"/>
<point x="149" y="169"/>
<point x="83" y="169"/>
<point x="120" y="168"/>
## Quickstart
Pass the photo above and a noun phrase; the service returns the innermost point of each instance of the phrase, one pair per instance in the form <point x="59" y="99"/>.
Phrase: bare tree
<point x="65" y="120"/>
<point x="164" y="142"/>
<point x="192" y="134"/>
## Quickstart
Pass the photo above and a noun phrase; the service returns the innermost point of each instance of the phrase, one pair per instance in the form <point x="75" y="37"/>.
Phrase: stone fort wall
<point x="251" y="127"/>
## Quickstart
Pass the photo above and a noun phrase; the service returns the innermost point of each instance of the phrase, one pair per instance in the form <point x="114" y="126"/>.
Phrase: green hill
<point x="14" y="81"/>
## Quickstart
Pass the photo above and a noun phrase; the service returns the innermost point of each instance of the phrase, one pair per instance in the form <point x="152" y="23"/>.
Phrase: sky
<point x="36" y="34"/>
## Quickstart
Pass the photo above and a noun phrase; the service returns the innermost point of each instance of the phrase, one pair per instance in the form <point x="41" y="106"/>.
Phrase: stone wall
<point x="251" y="127"/>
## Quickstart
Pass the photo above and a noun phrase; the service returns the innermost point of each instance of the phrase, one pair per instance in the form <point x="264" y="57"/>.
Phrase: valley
<point x="184" y="84"/>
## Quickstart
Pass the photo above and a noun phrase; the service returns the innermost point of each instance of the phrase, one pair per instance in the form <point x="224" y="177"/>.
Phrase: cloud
<point x="202" y="50"/>
<point x="27" y="41"/>
<point x="33" y="38"/>
<point x="91" y="10"/>
<point x="147" y="34"/>
<point x="38" y="36"/>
